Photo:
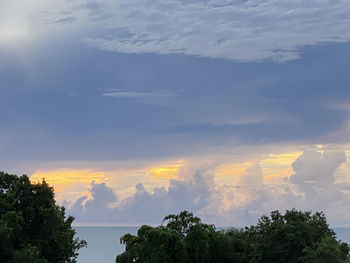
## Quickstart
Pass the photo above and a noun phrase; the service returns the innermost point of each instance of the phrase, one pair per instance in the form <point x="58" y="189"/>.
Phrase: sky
<point x="134" y="109"/>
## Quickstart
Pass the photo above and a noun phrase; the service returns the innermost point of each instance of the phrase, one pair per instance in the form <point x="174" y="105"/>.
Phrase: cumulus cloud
<point x="143" y="206"/>
<point x="247" y="199"/>
<point x="311" y="187"/>
<point x="316" y="168"/>
<point x="252" y="176"/>
<point x="93" y="209"/>
<point x="314" y="178"/>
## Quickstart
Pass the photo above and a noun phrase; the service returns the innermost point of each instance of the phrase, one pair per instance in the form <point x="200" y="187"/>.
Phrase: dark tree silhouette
<point x="295" y="237"/>
<point x="32" y="227"/>
<point x="183" y="239"/>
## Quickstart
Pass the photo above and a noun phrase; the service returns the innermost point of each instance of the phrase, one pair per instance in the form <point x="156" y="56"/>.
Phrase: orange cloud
<point x="285" y="159"/>
<point x="227" y="173"/>
<point x="164" y="172"/>
<point x="278" y="166"/>
<point x="63" y="178"/>
<point x="275" y="167"/>
<point x="278" y="176"/>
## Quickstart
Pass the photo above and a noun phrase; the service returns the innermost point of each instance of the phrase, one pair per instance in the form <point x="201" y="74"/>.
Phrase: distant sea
<point x="104" y="244"/>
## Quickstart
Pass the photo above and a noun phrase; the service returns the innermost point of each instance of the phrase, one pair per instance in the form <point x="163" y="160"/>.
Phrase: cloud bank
<point x="143" y="206"/>
<point x="312" y="186"/>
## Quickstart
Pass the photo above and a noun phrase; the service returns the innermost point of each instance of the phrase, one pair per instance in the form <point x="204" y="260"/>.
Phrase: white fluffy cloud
<point x="143" y="206"/>
<point x="316" y="169"/>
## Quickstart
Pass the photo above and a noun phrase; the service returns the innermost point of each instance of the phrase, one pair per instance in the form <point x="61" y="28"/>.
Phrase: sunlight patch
<point x="63" y="178"/>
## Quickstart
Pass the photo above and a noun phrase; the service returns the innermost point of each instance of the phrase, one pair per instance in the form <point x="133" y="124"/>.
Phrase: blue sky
<point x="123" y="87"/>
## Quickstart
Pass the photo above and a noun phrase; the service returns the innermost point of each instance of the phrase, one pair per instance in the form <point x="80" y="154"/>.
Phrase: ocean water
<point x="343" y="233"/>
<point x="104" y="242"/>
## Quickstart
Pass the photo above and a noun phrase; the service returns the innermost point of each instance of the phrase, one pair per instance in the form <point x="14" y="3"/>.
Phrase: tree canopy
<point x="33" y="229"/>
<point x="184" y="238"/>
<point x="293" y="237"/>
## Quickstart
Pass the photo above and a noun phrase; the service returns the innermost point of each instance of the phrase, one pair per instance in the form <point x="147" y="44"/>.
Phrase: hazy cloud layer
<point x="165" y="106"/>
<point x="251" y="30"/>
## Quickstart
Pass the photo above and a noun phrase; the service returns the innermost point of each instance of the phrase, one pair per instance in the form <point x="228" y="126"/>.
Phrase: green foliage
<point x="32" y="227"/>
<point x="152" y="245"/>
<point x="295" y="237"/>
<point x="327" y="250"/>
<point x="28" y="254"/>
<point x="183" y="239"/>
<point x="182" y="223"/>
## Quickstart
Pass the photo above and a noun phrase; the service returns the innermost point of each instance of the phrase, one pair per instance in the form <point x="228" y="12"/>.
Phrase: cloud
<point x="137" y="94"/>
<point x="226" y="107"/>
<point x="143" y="206"/>
<point x="96" y="208"/>
<point x="68" y="176"/>
<point x="252" y="176"/>
<point x="216" y="105"/>
<point x="251" y="30"/>
<point x="315" y="179"/>
<point x="68" y="19"/>
<point x="21" y="21"/>
<point x="311" y="187"/>
<point x="316" y="168"/>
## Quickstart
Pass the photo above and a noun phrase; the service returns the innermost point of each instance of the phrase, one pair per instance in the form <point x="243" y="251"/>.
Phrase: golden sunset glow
<point x="233" y="169"/>
<point x="164" y="172"/>
<point x="347" y="154"/>
<point x="278" y="165"/>
<point x="281" y="159"/>
<point x="279" y="176"/>
<point x="275" y="168"/>
<point x="227" y="173"/>
<point x="60" y="179"/>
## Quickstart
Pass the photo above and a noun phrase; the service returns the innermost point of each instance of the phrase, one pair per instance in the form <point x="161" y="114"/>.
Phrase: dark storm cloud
<point x="178" y="101"/>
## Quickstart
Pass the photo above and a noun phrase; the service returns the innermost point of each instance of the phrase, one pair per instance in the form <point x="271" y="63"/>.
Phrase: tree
<point x="32" y="227"/>
<point x="183" y="239"/>
<point x="152" y="245"/>
<point x="295" y="236"/>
